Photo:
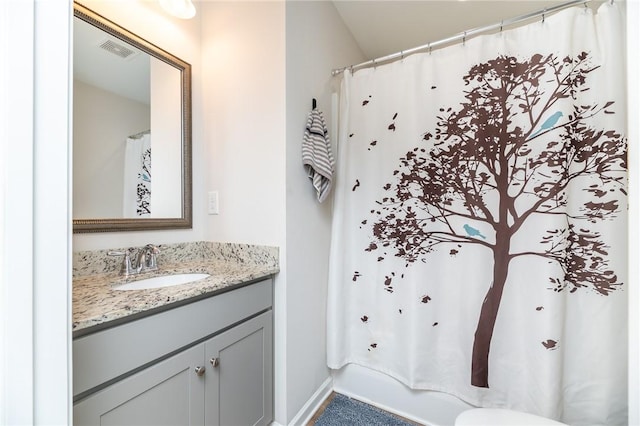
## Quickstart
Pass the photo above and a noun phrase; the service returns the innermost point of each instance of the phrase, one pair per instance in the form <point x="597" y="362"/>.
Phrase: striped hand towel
<point x="317" y="158"/>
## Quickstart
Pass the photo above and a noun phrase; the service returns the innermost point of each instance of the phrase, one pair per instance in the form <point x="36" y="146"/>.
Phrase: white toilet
<point x="501" y="417"/>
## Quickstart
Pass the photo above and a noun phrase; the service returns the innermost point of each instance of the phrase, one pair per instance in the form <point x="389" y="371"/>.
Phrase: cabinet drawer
<point x="108" y="354"/>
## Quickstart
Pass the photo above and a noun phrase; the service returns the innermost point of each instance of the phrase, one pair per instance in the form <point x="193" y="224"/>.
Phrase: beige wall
<point x="317" y="42"/>
<point x="102" y="122"/>
<point x="243" y="50"/>
<point x="166" y="140"/>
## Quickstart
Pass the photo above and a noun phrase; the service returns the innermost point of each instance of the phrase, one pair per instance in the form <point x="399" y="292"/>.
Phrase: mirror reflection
<point x="131" y="131"/>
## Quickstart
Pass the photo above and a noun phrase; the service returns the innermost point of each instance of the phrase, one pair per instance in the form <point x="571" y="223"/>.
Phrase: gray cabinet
<point x="239" y="390"/>
<point x="224" y="377"/>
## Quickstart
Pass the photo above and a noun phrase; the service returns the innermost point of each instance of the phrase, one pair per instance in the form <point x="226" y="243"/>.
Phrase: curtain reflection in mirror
<point x="137" y="176"/>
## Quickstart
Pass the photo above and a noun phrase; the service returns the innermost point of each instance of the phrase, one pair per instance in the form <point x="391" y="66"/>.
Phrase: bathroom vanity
<point x="193" y="354"/>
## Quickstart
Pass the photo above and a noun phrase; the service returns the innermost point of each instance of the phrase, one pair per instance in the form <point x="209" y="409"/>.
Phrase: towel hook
<point x="313" y="103"/>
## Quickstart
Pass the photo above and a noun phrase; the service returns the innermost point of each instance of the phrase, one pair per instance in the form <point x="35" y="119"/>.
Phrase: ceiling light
<point x="183" y="9"/>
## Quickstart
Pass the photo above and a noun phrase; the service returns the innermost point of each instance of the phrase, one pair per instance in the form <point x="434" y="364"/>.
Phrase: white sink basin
<point x="163" y="281"/>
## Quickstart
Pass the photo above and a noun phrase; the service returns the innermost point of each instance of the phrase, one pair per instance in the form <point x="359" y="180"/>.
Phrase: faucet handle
<point x="153" y="248"/>
<point x="151" y="261"/>
<point x="127" y="267"/>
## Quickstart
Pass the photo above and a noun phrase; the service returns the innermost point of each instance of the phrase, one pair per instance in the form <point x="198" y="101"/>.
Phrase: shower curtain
<point x="137" y="176"/>
<point x="479" y="231"/>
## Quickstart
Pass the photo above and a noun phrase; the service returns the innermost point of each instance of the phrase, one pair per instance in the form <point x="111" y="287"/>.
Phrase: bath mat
<point x="345" y="411"/>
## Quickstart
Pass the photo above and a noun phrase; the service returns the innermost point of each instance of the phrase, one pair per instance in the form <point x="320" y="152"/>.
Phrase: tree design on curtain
<point x="508" y="154"/>
<point x="143" y="189"/>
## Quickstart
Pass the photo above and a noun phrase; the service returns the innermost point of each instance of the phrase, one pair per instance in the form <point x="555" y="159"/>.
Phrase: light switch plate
<point x="213" y="202"/>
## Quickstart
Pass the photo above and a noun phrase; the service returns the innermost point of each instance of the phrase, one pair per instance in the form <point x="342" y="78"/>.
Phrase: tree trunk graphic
<point x="487" y="319"/>
<point x="508" y="153"/>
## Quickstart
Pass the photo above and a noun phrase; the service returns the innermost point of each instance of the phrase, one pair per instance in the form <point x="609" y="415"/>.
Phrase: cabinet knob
<point x="200" y="370"/>
<point x="215" y="362"/>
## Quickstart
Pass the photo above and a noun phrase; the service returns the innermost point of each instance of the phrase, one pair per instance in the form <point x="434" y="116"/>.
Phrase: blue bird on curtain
<point x="548" y="124"/>
<point x="473" y="232"/>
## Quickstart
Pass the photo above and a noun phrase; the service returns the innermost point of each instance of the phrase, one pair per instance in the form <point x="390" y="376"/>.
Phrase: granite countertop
<point x="97" y="303"/>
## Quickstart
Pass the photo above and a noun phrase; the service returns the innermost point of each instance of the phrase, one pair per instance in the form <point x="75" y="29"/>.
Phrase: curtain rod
<point x="461" y="36"/>
<point x="139" y="135"/>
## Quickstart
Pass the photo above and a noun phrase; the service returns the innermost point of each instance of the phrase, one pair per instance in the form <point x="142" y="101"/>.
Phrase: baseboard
<point x="311" y="406"/>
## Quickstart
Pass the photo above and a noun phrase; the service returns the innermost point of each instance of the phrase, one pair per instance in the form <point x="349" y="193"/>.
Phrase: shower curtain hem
<point x="421" y="387"/>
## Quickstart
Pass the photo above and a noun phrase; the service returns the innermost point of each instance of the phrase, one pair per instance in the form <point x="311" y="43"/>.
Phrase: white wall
<point x="317" y="42"/>
<point x="35" y="302"/>
<point x="182" y="39"/>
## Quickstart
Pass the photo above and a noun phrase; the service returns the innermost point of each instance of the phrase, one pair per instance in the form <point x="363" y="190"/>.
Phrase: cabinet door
<point x="240" y="390"/>
<point x="169" y="393"/>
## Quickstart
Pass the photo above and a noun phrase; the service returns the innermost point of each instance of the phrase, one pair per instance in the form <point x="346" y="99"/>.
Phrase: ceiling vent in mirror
<point x="117" y="49"/>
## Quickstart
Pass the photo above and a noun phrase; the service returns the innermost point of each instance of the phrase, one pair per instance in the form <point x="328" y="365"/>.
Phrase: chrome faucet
<point x="137" y="261"/>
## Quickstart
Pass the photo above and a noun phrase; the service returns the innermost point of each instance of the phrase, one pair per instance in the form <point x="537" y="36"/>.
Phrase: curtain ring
<point x="464" y="38"/>
<point x="402" y="54"/>
<point x="544" y="12"/>
<point x="429" y="47"/>
<point x="501" y="24"/>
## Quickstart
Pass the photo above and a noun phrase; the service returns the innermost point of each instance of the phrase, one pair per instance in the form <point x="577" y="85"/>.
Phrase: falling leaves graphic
<point x="392" y="126"/>
<point x="550" y="344"/>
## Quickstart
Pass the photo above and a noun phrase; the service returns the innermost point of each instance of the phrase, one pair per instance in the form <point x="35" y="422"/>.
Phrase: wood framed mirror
<point x="131" y="132"/>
